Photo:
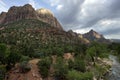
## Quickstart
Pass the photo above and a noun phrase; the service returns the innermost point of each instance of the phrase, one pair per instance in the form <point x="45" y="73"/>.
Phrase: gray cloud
<point x="69" y="12"/>
<point x="88" y="14"/>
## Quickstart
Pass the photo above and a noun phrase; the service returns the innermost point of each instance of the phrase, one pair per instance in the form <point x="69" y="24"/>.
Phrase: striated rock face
<point x="91" y="35"/>
<point x="2" y="16"/>
<point x="28" y="12"/>
<point x="46" y="15"/>
<point x="18" y="13"/>
<point x="94" y="36"/>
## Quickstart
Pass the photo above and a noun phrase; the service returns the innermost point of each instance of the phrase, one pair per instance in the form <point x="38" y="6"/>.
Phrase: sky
<point x="81" y="16"/>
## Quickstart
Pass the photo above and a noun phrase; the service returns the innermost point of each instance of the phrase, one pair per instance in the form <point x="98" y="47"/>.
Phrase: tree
<point x="2" y="72"/>
<point x="3" y="53"/>
<point x="61" y="69"/>
<point x="8" y="57"/>
<point x="92" y="53"/>
<point x="12" y="59"/>
<point x="44" y="66"/>
<point x="77" y="64"/>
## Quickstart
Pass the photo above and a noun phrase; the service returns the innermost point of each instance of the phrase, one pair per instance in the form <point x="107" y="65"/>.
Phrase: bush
<point x="24" y="58"/>
<point x="13" y="58"/>
<point x="2" y="72"/>
<point x="25" y="67"/>
<point x="100" y="70"/>
<point x="75" y="75"/>
<point x="77" y="64"/>
<point x="44" y="66"/>
<point x="61" y="69"/>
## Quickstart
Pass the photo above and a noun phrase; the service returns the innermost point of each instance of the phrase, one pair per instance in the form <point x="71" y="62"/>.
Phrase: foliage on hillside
<point x="26" y="39"/>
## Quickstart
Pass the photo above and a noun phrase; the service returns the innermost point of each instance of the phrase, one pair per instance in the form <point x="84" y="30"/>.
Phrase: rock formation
<point x="28" y="12"/>
<point x="2" y="16"/>
<point x="95" y="36"/>
<point x="47" y="16"/>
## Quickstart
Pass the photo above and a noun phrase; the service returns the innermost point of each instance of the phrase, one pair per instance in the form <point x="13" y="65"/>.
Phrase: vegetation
<point x="44" y="66"/>
<point x="61" y="69"/>
<point x="25" y="67"/>
<point x="35" y="40"/>
<point x="2" y="72"/>
<point x="77" y="64"/>
<point x="75" y="75"/>
<point x="115" y="49"/>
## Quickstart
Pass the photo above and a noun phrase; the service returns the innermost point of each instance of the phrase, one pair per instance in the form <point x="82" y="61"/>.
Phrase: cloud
<point x="33" y="3"/>
<point x="3" y="6"/>
<point x="59" y="7"/>
<point x="83" y="15"/>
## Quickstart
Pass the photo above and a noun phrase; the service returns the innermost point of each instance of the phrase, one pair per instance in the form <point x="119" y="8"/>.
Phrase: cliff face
<point x="46" y="15"/>
<point x="18" y="13"/>
<point x="28" y="12"/>
<point x="2" y="16"/>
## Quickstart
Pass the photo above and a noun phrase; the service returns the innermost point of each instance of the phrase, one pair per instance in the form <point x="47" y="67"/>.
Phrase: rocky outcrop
<point x="28" y="12"/>
<point x="2" y="16"/>
<point x="18" y="13"/>
<point x="73" y="33"/>
<point x="47" y="16"/>
<point x="94" y="36"/>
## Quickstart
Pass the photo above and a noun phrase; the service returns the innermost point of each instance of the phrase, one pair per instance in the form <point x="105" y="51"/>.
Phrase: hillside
<point x="34" y="46"/>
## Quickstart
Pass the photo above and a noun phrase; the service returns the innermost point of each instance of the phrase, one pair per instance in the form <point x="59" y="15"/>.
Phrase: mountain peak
<point x="94" y="36"/>
<point x="92" y="31"/>
<point x="16" y="13"/>
<point x="27" y="5"/>
<point x="44" y="11"/>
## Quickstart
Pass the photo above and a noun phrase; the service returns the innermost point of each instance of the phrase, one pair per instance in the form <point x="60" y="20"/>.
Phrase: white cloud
<point x="82" y="31"/>
<point x="54" y="2"/>
<point x="3" y="6"/>
<point x="33" y="3"/>
<point x="59" y="7"/>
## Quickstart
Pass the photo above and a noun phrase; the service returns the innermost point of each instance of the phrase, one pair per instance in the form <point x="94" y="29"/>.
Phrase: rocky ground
<point x="33" y="74"/>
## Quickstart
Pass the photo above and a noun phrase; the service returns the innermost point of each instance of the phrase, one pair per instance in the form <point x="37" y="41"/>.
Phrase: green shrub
<point x="25" y="67"/>
<point x="70" y="64"/>
<point x="24" y="58"/>
<point x="2" y="72"/>
<point x="100" y="70"/>
<point x="75" y="75"/>
<point x="44" y="66"/>
<point x="61" y="69"/>
<point x="13" y="58"/>
<point x="77" y="64"/>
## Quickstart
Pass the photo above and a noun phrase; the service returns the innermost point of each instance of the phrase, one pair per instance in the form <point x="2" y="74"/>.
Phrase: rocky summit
<point x="95" y="36"/>
<point x="47" y="16"/>
<point x="28" y="12"/>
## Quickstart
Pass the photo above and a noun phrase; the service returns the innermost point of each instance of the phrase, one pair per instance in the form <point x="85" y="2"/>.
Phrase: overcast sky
<point x="79" y="15"/>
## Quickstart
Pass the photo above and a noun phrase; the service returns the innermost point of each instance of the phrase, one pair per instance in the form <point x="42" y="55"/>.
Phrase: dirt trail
<point x="33" y="74"/>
